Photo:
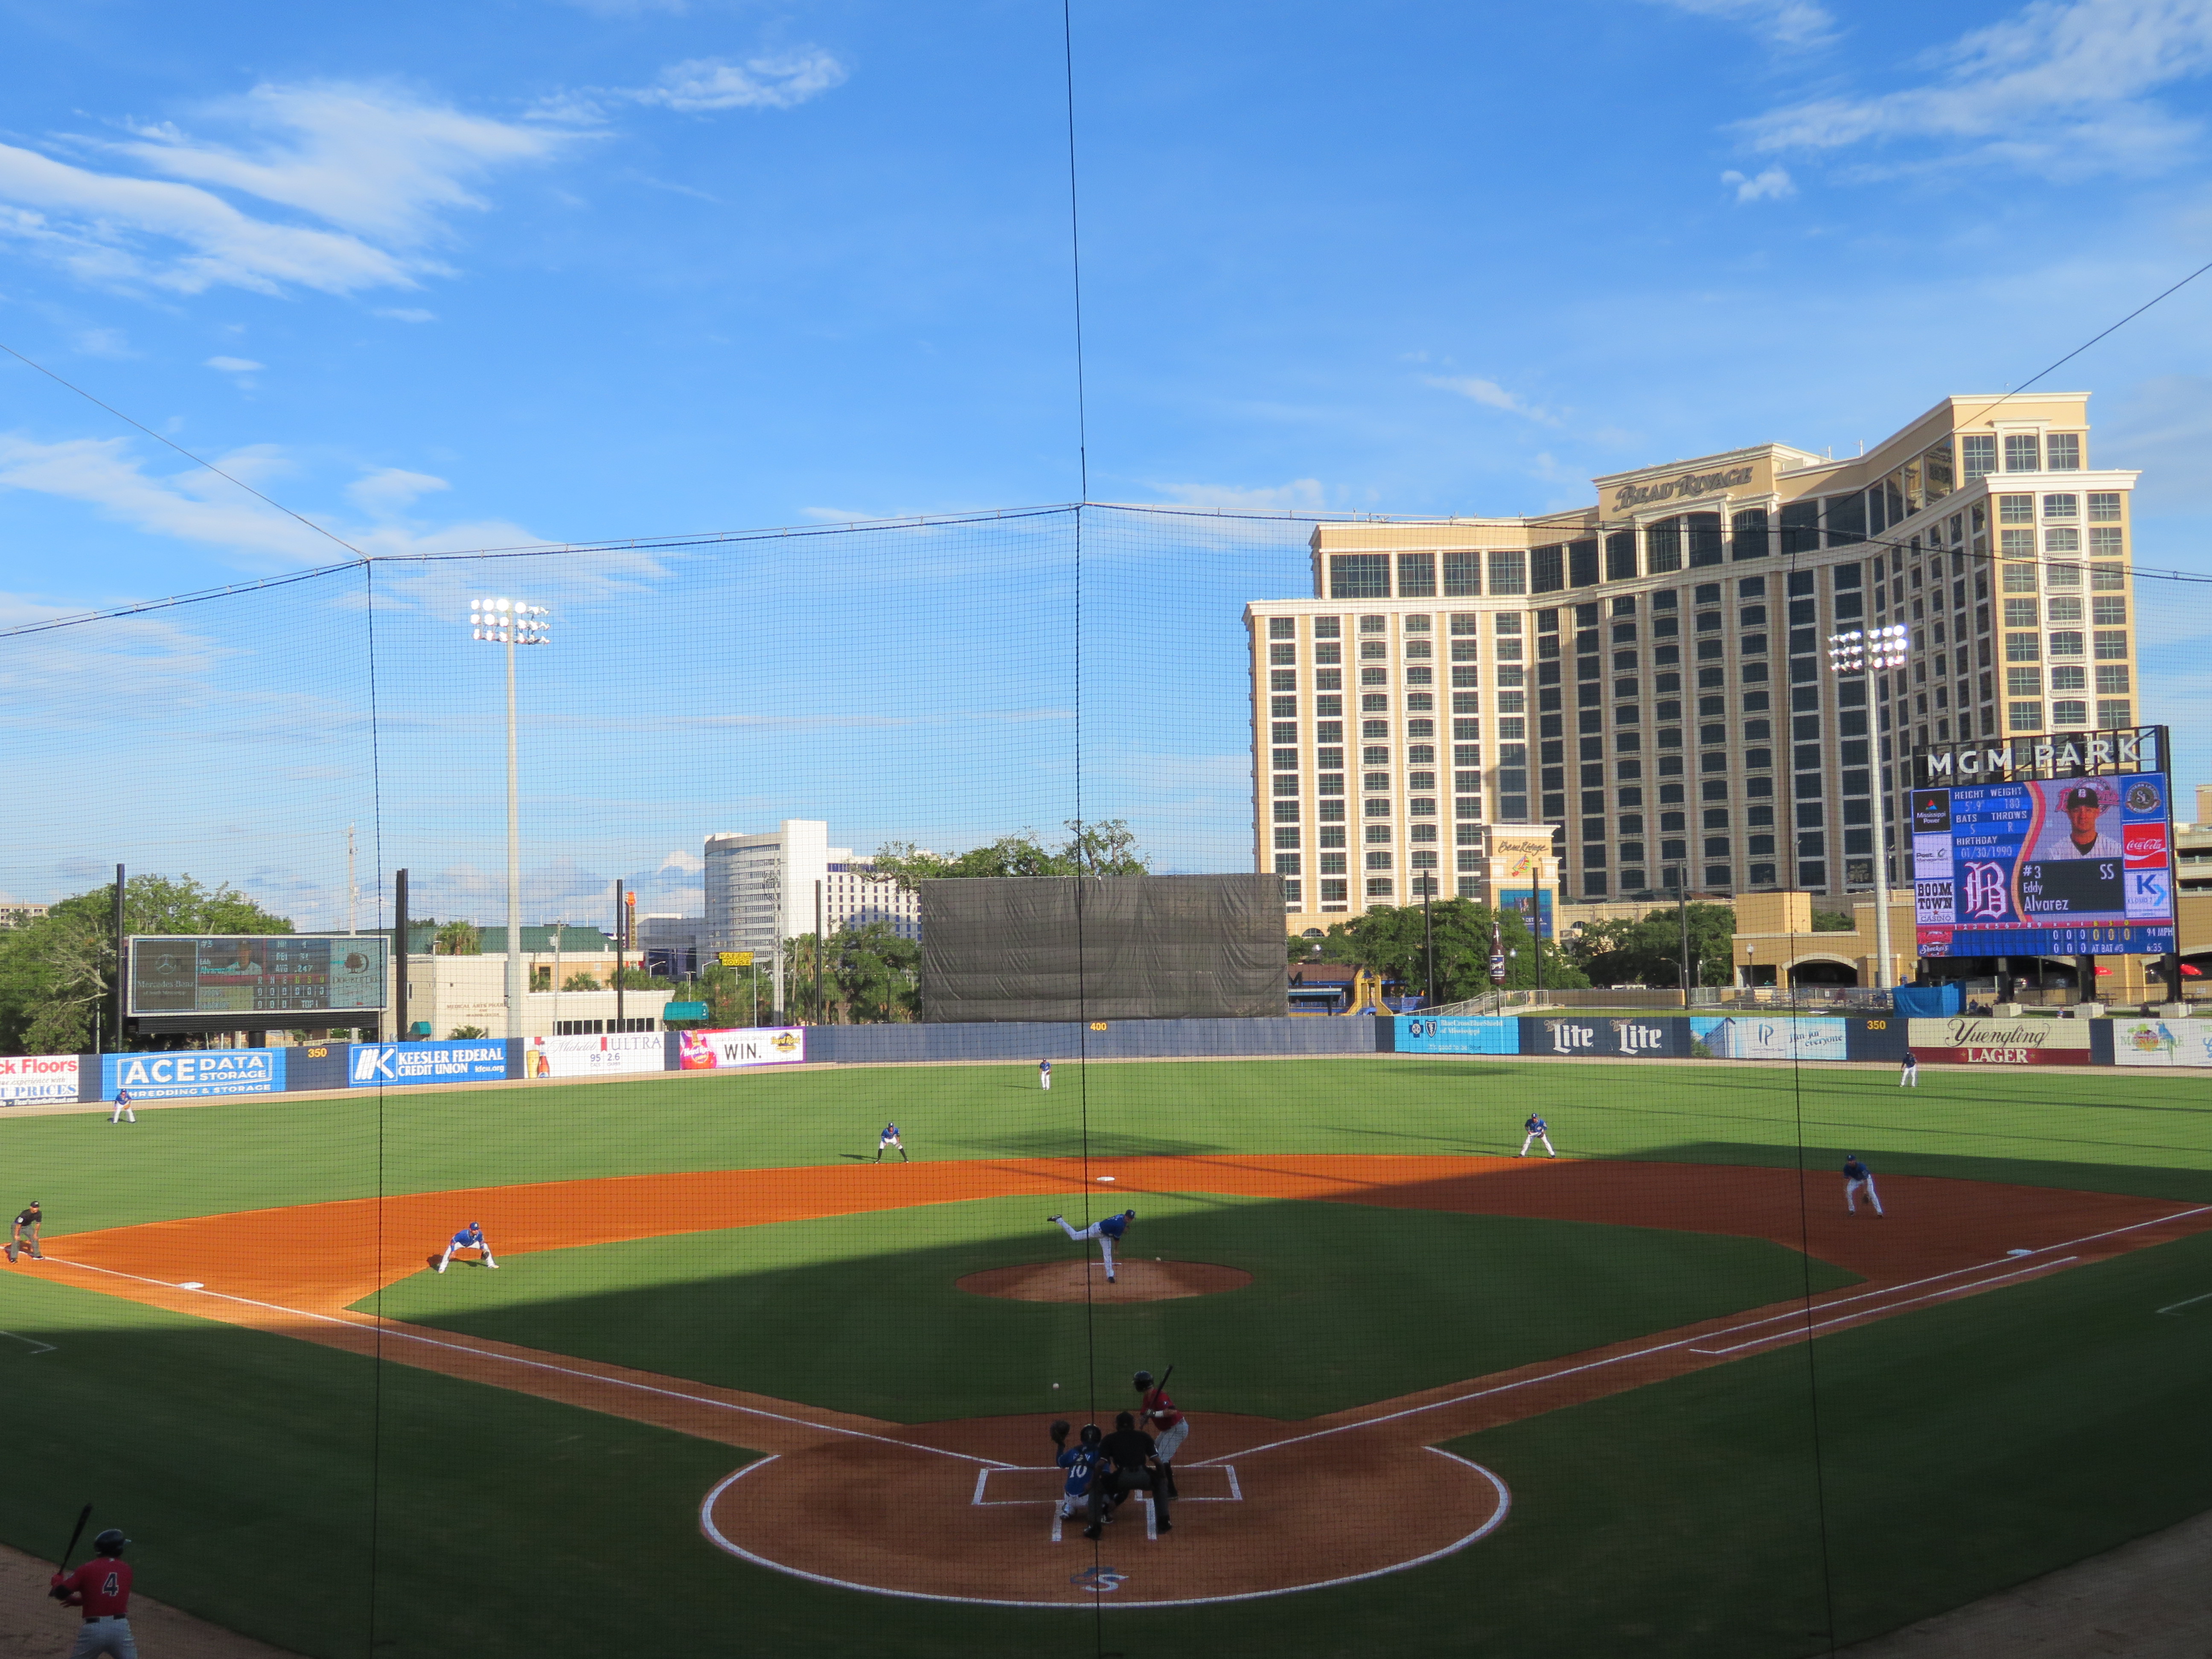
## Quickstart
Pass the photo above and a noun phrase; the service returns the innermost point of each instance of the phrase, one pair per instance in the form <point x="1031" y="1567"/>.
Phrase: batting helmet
<point x="111" y="1542"/>
<point x="1144" y="1379"/>
<point x="1091" y="1436"/>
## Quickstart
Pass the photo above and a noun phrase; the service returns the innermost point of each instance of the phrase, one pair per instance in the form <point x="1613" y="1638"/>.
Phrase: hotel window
<point x="1663" y="545"/>
<point x="2024" y="716"/>
<point x="2112" y="645"/>
<point x="1378" y="861"/>
<point x="1288" y="838"/>
<point x="1289" y="864"/>
<point x="2023" y="682"/>
<point x="2016" y="509"/>
<point x="1282" y="653"/>
<point x="1379" y="887"/>
<point x="2062" y="538"/>
<point x="2068" y="642"/>
<point x="1581" y="563"/>
<point x="2023" y="452"/>
<point x="2105" y="543"/>
<point x="1416" y="649"/>
<point x="2109" y="613"/>
<point x="1417" y="576"/>
<point x="2061" y="507"/>
<point x="2110" y="680"/>
<point x="2023" y="647"/>
<point x="1378" y="808"/>
<point x="2104" y="506"/>
<point x="1360" y="575"/>
<point x="2069" y="679"/>
<point x="1705" y="537"/>
<point x="1462" y="575"/>
<point x="2020" y="613"/>
<point x="2062" y="575"/>
<point x="2019" y="579"/>
<point x="2062" y="609"/>
<point x="1282" y="628"/>
<point x="2070" y="712"/>
<point x="1620" y="556"/>
<point x="1293" y="896"/>
<point x="1800" y="528"/>
<point x="2115" y="714"/>
<point x="1548" y="569"/>
<point x="1978" y="455"/>
<point x="1282" y="679"/>
<point x="2063" y="452"/>
<point x="1847" y="522"/>
<point x="1328" y="628"/>
<point x="1286" y="760"/>
<point x="1509" y="572"/>
<point x="1748" y="534"/>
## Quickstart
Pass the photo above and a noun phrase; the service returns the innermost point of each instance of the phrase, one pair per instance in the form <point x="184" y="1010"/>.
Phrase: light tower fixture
<point x="1870" y="650"/>
<point x="510" y="622"/>
<point x="1861" y="653"/>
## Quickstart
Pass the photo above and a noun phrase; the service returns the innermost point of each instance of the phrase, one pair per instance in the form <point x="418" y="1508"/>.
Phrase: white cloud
<point x="1772" y="185"/>
<point x="104" y="343"/>
<point x="1486" y="392"/>
<point x="381" y="170"/>
<point x="407" y="314"/>
<point x="235" y="365"/>
<point x="1784" y="23"/>
<point x="386" y="492"/>
<point x="1299" y="495"/>
<point x="2061" y="87"/>
<point x="714" y="83"/>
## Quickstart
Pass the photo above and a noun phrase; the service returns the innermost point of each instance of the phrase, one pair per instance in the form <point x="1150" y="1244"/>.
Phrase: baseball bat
<point x="1152" y="1400"/>
<point x="82" y="1515"/>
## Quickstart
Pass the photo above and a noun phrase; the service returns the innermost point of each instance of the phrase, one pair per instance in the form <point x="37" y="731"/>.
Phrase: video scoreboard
<point x="263" y="973"/>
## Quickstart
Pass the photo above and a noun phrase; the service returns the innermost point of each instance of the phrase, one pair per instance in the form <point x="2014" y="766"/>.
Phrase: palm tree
<point x="460" y="939"/>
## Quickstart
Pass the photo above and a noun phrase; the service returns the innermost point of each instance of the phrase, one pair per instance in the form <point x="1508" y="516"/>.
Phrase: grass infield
<point x="1944" y="1453"/>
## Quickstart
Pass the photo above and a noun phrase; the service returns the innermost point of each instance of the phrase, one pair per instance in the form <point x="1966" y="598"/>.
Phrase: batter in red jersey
<point x="101" y="1588"/>
<point x="1169" y="1427"/>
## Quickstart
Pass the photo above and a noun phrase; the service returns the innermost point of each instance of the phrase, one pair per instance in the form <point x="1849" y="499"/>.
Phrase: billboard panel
<point x="2162" y="1042"/>
<point x="285" y="973"/>
<point x="30" y="1079"/>
<point x="711" y="1051"/>
<point x="187" y="1073"/>
<point x="2056" y="866"/>
<point x="1970" y="1041"/>
<point x="1458" y="1034"/>
<point x="1533" y="905"/>
<point x="1612" y="1037"/>
<point x="1734" y="1037"/>
<point x="371" y="1064"/>
<point x="595" y="1056"/>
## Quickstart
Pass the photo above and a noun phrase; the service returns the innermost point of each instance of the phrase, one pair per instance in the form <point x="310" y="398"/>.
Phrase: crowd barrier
<point x="187" y="1073"/>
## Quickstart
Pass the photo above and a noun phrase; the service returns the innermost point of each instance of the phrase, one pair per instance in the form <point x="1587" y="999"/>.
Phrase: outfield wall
<point x="193" y="1074"/>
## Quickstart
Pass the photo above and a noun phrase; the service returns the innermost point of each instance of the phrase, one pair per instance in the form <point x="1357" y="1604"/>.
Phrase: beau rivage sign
<point x="1680" y="488"/>
<point x="2067" y="754"/>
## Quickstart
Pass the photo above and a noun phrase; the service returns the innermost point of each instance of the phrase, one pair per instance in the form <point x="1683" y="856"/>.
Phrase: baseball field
<point x="735" y="1386"/>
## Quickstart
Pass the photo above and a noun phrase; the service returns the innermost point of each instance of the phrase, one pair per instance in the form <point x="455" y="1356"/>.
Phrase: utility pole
<point x="619" y="1026"/>
<point x="1682" y="916"/>
<point x="122" y="968"/>
<point x="1429" y="939"/>
<point x="399" y="926"/>
<point x="353" y="889"/>
<point x="817" y="950"/>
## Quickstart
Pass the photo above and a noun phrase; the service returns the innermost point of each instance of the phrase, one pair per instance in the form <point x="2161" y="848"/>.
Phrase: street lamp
<point x="510" y="622"/>
<point x="1862" y="653"/>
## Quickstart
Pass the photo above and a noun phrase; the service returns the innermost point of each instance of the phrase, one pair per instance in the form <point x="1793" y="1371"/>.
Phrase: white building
<point x="762" y="888"/>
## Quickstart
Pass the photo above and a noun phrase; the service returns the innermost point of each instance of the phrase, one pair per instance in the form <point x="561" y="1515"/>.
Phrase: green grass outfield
<point x="1959" y="1449"/>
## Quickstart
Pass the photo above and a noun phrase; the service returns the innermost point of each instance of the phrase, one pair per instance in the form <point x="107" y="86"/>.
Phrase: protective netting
<point x="791" y="1289"/>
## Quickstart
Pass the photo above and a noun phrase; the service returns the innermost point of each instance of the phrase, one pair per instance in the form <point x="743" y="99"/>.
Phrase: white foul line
<point x="36" y="1347"/>
<point x="1664" y="1347"/>
<point x="2191" y="1303"/>
<point x="385" y="1329"/>
<point x="1796" y="1331"/>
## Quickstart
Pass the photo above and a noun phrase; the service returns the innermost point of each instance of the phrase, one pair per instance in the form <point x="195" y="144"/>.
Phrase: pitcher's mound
<point x="1077" y="1281"/>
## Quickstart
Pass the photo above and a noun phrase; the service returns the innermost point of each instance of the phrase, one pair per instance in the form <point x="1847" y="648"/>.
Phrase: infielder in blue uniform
<point x="1538" y="1130"/>
<point x="1106" y="1233"/>
<point x="125" y="1112"/>
<point x="470" y="1237"/>
<point x="1857" y="1178"/>
<point x="890" y="1137"/>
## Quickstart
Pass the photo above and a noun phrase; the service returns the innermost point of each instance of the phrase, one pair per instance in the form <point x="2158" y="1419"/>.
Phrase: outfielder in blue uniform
<point x="470" y="1237"/>
<point x="1044" y="1075"/>
<point x="1538" y="1130"/>
<point x="1106" y="1233"/>
<point x="890" y="1137"/>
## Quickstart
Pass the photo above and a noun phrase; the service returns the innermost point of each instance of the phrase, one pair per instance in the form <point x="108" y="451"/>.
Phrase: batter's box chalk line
<point x="1235" y="1494"/>
<point x="721" y="1540"/>
<point x="36" y="1346"/>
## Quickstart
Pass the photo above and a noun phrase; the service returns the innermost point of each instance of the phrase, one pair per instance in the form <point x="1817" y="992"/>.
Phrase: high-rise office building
<point x="1649" y="677"/>
<point x="761" y="888"/>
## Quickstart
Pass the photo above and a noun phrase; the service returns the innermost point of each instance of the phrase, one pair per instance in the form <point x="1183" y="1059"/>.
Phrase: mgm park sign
<point x="2062" y="754"/>
<point x="1679" y="488"/>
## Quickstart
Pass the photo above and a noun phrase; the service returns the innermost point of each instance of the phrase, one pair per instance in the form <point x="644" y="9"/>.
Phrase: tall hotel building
<point x="1648" y="679"/>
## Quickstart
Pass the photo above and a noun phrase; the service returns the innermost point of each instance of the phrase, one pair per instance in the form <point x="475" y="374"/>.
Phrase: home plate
<point x="191" y="1285"/>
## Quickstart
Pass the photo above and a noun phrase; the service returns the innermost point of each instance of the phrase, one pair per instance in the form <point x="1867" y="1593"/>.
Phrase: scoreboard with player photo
<point x="2058" y="866"/>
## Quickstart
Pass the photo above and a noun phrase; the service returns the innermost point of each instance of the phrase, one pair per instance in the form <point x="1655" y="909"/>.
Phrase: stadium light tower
<point x="510" y="622"/>
<point x="1861" y="653"/>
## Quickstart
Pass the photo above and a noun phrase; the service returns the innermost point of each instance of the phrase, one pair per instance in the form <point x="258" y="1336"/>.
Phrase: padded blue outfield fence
<point x="186" y="1074"/>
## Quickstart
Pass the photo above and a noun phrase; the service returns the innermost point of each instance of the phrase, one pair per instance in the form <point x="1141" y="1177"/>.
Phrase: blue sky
<point x="450" y="279"/>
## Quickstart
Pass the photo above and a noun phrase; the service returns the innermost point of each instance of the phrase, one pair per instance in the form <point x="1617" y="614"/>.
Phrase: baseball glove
<point x="1060" y="1434"/>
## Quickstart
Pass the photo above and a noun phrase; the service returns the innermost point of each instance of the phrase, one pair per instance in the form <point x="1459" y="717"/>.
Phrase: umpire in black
<point x="1135" y="1468"/>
